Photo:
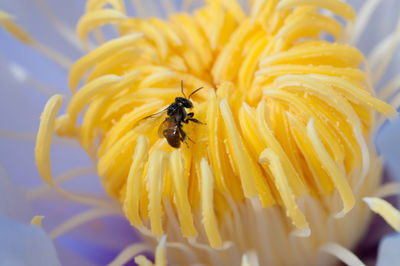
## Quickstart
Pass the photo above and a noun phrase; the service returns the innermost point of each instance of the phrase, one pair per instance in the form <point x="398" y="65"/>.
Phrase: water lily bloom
<point x="282" y="169"/>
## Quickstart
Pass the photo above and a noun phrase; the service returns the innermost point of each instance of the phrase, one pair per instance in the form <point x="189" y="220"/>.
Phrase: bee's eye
<point x="188" y="104"/>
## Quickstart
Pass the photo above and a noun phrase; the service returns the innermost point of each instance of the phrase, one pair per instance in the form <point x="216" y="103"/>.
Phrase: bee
<point x="172" y="128"/>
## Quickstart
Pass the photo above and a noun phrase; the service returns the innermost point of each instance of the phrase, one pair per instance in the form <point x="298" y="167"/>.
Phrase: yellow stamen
<point x="180" y="183"/>
<point x="161" y="253"/>
<point x="37" y="220"/>
<point x="333" y="171"/>
<point x="142" y="261"/>
<point x="335" y="6"/>
<point x="283" y="187"/>
<point x="209" y="219"/>
<point x="44" y="136"/>
<point x="95" y="19"/>
<point x="104" y="51"/>
<point x="131" y="204"/>
<point x="386" y="210"/>
<point x="16" y="31"/>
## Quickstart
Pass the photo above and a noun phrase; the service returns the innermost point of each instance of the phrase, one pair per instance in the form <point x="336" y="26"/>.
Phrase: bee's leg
<point x="189" y="116"/>
<point x="184" y="136"/>
<point x="194" y="120"/>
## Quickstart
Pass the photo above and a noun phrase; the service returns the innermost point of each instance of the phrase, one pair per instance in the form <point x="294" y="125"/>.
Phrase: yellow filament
<point x="37" y="220"/>
<point x="95" y="19"/>
<point x="172" y="37"/>
<point x="310" y="26"/>
<point x="386" y="210"/>
<point x="265" y="75"/>
<point x="330" y="139"/>
<point x="161" y="253"/>
<point x="88" y="92"/>
<point x="331" y="168"/>
<point x="335" y="6"/>
<point x="98" y="4"/>
<point x="209" y="218"/>
<point x="250" y="133"/>
<point x="150" y="31"/>
<point x="321" y="178"/>
<point x="107" y="49"/>
<point x="156" y="169"/>
<point x="286" y="193"/>
<point x="44" y="136"/>
<point x="212" y="122"/>
<point x="335" y="100"/>
<point x="42" y="150"/>
<point x="4" y="16"/>
<point x="234" y="8"/>
<point x="270" y="141"/>
<point x="180" y="184"/>
<point x="16" y="31"/>
<point x="240" y="155"/>
<point x="358" y="96"/>
<point x="342" y="253"/>
<point x="319" y="53"/>
<point x="142" y="261"/>
<point x="131" y="203"/>
<point x="125" y="124"/>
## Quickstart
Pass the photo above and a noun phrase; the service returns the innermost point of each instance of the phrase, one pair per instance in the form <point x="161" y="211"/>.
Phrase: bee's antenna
<point x="195" y="92"/>
<point x="182" y="89"/>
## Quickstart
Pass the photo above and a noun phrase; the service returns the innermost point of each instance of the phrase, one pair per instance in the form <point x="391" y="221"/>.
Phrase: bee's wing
<point x="144" y="125"/>
<point x="155" y="115"/>
<point x="166" y="124"/>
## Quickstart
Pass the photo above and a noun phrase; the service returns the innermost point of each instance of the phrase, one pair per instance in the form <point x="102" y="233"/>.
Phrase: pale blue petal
<point x="31" y="18"/>
<point x="388" y="145"/>
<point x="25" y="244"/>
<point x="389" y="251"/>
<point x="12" y="203"/>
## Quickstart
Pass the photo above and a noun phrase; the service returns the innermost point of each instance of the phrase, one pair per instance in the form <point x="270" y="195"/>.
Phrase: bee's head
<point x="184" y="102"/>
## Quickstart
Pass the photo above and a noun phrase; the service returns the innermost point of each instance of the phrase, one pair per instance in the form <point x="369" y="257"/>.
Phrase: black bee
<point x="171" y="127"/>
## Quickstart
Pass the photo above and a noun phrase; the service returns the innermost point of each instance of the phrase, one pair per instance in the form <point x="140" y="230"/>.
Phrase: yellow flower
<point x="279" y="169"/>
